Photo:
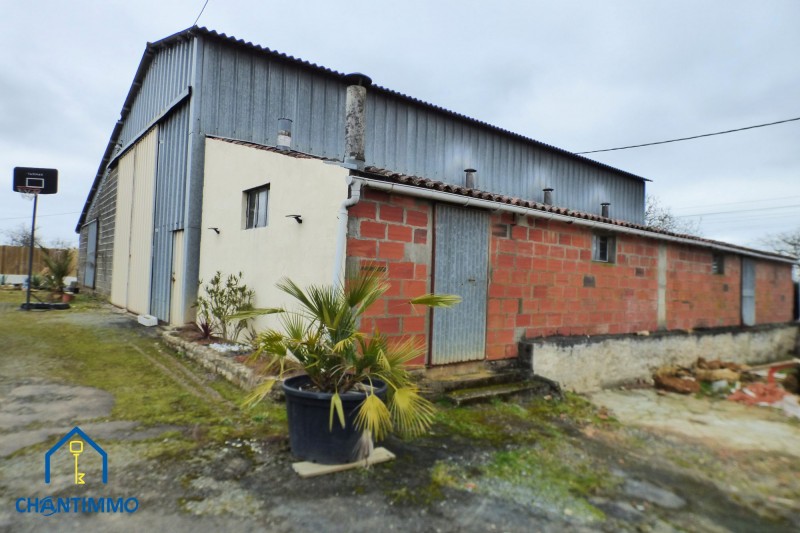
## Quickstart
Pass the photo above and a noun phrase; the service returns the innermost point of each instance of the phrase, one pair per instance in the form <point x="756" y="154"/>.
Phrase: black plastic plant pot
<point x="309" y="422"/>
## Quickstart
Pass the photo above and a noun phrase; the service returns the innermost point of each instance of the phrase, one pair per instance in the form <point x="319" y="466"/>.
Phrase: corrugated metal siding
<point x="166" y="78"/>
<point x="461" y="267"/>
<point x="141" y="243"/>
<point x="170" y="193"/>
<point x="244" y="95"/>
<point x="417" y="141"/>
<point x="176" y="304"/>
<point x="161" y="274"/>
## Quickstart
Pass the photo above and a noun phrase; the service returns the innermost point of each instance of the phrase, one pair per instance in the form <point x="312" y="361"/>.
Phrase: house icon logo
<point x="78" y="443"/>
<point x="76" y="439"/>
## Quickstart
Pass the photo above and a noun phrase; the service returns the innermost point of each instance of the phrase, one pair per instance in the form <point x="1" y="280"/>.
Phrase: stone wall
<point x="103" y="209"/>
<point x="586" y="364"/>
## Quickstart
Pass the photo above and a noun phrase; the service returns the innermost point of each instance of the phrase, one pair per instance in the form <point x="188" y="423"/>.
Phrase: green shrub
<point x="221" y="300"/>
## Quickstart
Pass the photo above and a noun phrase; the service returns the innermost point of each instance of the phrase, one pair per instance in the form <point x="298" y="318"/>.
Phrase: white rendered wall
<point x="303" y="252"/>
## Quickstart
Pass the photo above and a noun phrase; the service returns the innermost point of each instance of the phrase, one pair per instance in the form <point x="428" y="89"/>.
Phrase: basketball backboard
<point x="38" y="180"/>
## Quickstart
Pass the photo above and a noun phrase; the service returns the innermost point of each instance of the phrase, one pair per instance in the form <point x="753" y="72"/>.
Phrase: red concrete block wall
<point x="543" y="282"/>
<point x="774" y="292"/>
<point x="697" y="297"/>
<point x="392" y="233"/>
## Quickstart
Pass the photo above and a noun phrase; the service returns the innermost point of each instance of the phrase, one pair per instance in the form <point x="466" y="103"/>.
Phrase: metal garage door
<point x="461" y="267"/>
<point x="748" y="292"/>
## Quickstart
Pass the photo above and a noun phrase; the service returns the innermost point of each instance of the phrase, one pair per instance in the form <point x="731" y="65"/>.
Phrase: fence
<point x="14" y="260"/>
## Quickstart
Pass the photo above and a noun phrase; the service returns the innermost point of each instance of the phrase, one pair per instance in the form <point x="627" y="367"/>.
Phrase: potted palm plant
<point x="353" y="388"/>
<point x="58" y="264"/>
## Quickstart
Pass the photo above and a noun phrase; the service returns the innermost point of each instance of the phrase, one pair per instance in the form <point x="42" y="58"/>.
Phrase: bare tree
<point x="658" y="217"/>
<point x="21" y="236"/>
<point x="787" y="243"/>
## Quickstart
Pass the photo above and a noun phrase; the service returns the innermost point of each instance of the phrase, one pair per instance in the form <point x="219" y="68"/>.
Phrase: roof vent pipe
<point x="604" y="209"/>
<point x="469" y="178"/>
<point x="548" y="196"/>
<point x="355" y="120"/>
<point x="284" y="134"/>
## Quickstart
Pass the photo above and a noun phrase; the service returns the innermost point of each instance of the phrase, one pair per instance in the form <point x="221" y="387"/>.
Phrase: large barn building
<point x="232" y="157"/>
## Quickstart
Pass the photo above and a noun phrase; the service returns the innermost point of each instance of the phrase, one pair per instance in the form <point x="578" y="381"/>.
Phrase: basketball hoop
<point x="29" y="193"/>
<point x="30" y="183"/>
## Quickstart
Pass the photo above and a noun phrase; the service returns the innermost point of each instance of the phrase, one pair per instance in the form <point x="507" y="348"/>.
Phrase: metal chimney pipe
<point x="284" y="134"/>
<point x="548" y="196"/>
<point x="355" y="121"/>
<point x="469" y="178"/>
<point x="604" y="209"/>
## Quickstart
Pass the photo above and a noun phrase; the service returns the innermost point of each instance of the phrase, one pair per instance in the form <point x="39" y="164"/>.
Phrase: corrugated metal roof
<point x="195" y="30"/>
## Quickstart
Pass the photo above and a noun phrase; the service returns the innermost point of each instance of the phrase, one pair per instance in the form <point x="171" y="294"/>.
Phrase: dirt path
<point x="718" y="424"/>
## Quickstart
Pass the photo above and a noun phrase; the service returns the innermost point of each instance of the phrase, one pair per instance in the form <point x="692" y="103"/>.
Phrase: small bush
<point x="221" y="300"/>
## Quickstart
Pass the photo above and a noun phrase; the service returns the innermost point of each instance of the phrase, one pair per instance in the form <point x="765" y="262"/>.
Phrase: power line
<point x="739" y="211"/>
<point x="38" y="216"/>
<point x="692" y="137"/>
<point x="754" y="221"/>
<point x="199" y="14"/>
<point x="734" y="203"/>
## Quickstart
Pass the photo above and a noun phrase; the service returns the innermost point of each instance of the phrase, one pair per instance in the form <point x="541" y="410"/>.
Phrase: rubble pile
<point x="683" y="380"/>
<point x="773" y="384"/>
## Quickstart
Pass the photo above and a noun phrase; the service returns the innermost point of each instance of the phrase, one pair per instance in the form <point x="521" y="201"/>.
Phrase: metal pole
<point x="30" y="254"/>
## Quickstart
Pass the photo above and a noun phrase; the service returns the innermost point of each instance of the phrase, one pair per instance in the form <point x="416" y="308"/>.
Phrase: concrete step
<point x="481" y="381"/>
<point x="490" y="392"/>
<point x="475" y="379"/>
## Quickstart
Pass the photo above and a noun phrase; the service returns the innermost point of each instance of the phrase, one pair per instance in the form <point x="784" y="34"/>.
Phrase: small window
<point x="257" y="200"/>
<point x="604" y="248"/>
<point x="717" y="263"/>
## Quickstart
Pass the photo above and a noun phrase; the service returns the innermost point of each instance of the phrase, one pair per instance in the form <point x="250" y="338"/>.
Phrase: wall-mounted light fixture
<point x="297" y="218"/>
<point x="215" y="230"/>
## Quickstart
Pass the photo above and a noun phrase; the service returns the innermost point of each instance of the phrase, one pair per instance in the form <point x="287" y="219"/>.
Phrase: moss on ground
<point x="532" y="453"/>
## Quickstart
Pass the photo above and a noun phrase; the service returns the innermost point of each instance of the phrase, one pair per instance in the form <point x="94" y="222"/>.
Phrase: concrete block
<point x="148" y="320"/>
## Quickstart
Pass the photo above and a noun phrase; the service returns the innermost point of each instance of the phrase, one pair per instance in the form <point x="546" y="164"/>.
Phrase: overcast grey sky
<point x="581" y="75"/>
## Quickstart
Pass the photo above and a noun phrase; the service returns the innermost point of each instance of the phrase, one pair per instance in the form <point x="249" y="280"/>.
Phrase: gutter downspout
<point x="527" y="211"/>
<point x="341" y="234"/>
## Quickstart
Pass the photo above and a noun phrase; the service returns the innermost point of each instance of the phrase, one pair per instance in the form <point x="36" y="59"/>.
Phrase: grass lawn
<point x="91" y="345"/>
<point x="527" y="450"/>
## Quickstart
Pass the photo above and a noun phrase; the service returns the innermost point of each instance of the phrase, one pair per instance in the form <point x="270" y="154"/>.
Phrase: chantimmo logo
<point x="79" y="445"/>
<point x="76" y="449"/>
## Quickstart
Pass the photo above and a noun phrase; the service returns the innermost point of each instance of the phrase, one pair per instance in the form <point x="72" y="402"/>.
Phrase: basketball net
<point x="29" y="193"/>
